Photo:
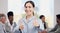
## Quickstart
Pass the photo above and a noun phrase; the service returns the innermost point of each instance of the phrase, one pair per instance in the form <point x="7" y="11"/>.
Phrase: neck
<point x="11" y="23"/>
<point x="28" y="16"/>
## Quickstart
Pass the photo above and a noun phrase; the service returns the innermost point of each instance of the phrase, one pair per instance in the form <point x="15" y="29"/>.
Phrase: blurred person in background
<point x="56" y="29"/>
<point x="42" y="17"/>
<point x="2" y="23"/>
<point x="10" y="25"/>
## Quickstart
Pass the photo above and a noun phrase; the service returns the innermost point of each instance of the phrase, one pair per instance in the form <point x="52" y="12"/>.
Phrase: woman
<point x="30" y="24"/>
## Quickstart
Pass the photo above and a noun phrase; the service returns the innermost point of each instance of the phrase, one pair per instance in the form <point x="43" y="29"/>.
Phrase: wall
<point x="3" y="6"/>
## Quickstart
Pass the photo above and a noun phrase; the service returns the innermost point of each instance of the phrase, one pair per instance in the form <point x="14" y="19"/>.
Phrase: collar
<point x="10" y="24"/>
<point x="29" y="19"/>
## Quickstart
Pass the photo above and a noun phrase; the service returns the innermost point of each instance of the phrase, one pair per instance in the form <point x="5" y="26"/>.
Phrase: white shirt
<point x="11" y="26"/>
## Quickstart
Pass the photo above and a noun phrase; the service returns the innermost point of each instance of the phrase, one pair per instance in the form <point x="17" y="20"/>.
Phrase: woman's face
<point x="29" y="9"/>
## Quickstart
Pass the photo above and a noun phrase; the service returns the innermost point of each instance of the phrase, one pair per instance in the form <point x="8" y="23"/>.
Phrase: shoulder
<point x="39" y="20"/>
<point x="1" y="27"/>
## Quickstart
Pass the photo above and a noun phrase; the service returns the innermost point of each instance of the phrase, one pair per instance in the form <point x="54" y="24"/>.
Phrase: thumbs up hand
<point x="35" y="23"/>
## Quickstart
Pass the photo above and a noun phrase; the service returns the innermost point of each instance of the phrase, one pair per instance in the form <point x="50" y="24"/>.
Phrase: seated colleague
<point x="10" y="25"/>
<point x="2" y="23"/>
<point x="56" y="29"/>
<point x="42" y="17"/>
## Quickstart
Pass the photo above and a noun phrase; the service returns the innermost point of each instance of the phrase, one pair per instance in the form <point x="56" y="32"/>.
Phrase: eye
<point x="29" y="7"/>
<point x="25" y="7"/>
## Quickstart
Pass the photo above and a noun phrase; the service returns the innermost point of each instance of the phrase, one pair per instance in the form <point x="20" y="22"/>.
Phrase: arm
<point x="38" y="25"/>
<point x="18" y="27"/>
<point x="54" y="29"/>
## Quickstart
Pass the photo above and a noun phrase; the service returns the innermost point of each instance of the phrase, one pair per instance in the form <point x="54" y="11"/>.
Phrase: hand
<point x="35" y="23"/>
<point x="21" y="26"/>
<point x="44" y="31"/>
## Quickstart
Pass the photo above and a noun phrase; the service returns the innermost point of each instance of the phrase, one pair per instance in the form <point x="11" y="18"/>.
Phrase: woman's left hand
<point x="35" y="23"/>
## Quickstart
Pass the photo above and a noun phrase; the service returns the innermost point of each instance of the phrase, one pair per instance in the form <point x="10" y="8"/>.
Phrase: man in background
<point x="56" y="29"/>
<point x="10" y="25"/>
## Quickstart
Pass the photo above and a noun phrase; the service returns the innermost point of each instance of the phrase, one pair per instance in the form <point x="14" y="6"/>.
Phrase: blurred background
<point x="49" y="8"/>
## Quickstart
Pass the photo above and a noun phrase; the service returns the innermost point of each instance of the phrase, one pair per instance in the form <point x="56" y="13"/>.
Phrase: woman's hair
<point x="33" y="13"/>
<point x="30" y="2"/>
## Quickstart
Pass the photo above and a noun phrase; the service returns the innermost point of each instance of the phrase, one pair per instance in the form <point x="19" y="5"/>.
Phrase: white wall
<point x="3" y="6"/>
<point x="57" y="6"/>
